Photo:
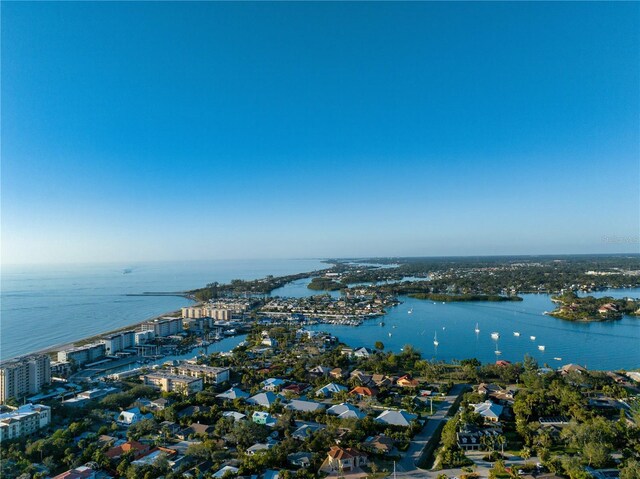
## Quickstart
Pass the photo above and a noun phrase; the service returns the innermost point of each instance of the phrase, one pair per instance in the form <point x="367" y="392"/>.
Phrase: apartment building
<point x="114" y="343"/>
<point x="168" y="382"/>
<point x="24" y="421"/>
<point x="163" y="327"/>
<point x="209" y="374"/>
<point x="24" y="375"/>
<point x="82" y="355"/>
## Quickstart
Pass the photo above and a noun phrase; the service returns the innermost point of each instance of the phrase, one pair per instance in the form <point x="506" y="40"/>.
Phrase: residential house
<point x="300" y="459"/>
<point x="338" y="373"/>
<point x="362" y="353"/>
<point x="81" y="472"/>
<point x="330" y="389"/>
<point x="231" y="394"/>
<point x="344" y="460"/>
<point x="304" y="406"/>
<point x="236" y="416"/>
<point x="272" y="384"/>
<point x="407" y="381"/>
<point x="267" y="399"/>
<point x="265" y="418"/>
<point x="129" y="417"/>
<point x="393" y="417"/>
<point x="137" y="449"/>
<point x="488" y="410"/>
<point x="379" y="444"/>
<point x="362" y="392"/>
<point x="345" y="411"/>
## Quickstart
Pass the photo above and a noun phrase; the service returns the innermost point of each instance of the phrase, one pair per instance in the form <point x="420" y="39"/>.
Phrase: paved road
<point x="406" y="467"/>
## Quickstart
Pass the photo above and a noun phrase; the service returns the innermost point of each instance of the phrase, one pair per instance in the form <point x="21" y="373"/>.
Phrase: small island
<point x="322" y="283"/>
<point x="450" y="298"/>
<point x="574" y="308"/>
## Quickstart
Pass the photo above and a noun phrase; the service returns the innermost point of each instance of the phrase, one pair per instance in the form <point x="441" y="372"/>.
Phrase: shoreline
<point x="90" y="339"/>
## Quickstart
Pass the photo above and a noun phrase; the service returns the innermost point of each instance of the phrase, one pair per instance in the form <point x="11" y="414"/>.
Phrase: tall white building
<point x="24" y="375"/>
<point x="116" y="342"/>
<point x="163" y="326"/>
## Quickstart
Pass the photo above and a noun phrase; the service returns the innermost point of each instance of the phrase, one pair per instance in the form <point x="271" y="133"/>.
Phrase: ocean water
<point x="598" y="345"/>
<point x="42" y="306"/>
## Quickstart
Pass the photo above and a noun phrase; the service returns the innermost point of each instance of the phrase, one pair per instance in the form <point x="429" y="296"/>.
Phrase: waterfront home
<point x="272" y="384"/>
<point x="362" y="353"/>
<point x="304" y="406"/>
<point x="342" y="460"/>
<point x="231" y="394"/>
<point x="330" y="389"/>
<point x="267" y="399"/>
<point x="568" y="368"/>
<point x="407" y="381"/>
<point x="393" y="417"/>
<point x="345" y="411"/>
<point x="488" y="410"/>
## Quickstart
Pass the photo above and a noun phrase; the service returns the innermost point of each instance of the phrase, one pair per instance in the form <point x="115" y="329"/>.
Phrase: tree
<point x="379" y="345"/>
<point x="631" y="470"/>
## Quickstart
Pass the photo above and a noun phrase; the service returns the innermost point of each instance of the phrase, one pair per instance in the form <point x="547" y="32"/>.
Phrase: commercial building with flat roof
<point x="24" y="375"/>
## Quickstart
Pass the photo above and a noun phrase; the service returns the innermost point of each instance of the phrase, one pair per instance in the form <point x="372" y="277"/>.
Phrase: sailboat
<point x="495" y="335"/>
<point x="498" y="352"/>
<point x="435" y="339"/>
<point x="532" y="338"/>
<point x="477" y="328"/>
<point x="410" y="311"/>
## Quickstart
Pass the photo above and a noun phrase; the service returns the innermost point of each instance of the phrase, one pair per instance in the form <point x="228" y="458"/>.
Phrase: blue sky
<point x="160" y="131"/>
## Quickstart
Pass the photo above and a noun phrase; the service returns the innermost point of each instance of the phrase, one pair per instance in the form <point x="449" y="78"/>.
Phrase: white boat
<point x="435" y="339"/>
<point x="516" y="333"/>
<point x="541" y="347"/>
<point x="389" y="334"/>
<point x="495" y="335"/>
<point x="477" y="328"/>
<point x="410" y="311"/>
<point x="498" y="353"/>
<point x="558" y="359"/>
<point x="532" y="338"/>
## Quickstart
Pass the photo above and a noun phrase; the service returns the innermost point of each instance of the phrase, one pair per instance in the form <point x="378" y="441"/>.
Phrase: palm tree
<point x="501" y="440"/>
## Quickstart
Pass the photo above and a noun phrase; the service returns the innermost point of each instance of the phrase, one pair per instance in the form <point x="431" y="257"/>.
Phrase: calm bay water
<point x="603" y="345"/>
<point x="42" y="306"/>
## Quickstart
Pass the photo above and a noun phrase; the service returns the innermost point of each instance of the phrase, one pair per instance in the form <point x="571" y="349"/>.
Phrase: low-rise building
<point x="168" y="382"/>
<point x="24" y="421"/>
<point x="344" y="460"/>
<point x="209" y="374"/>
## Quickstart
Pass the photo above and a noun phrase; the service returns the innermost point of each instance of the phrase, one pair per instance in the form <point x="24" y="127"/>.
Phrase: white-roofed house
<point x="330" y="389"/>
<point x="394" y="417"/>
<point x="263" y="399"/>
<point x="345" y="411"/>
